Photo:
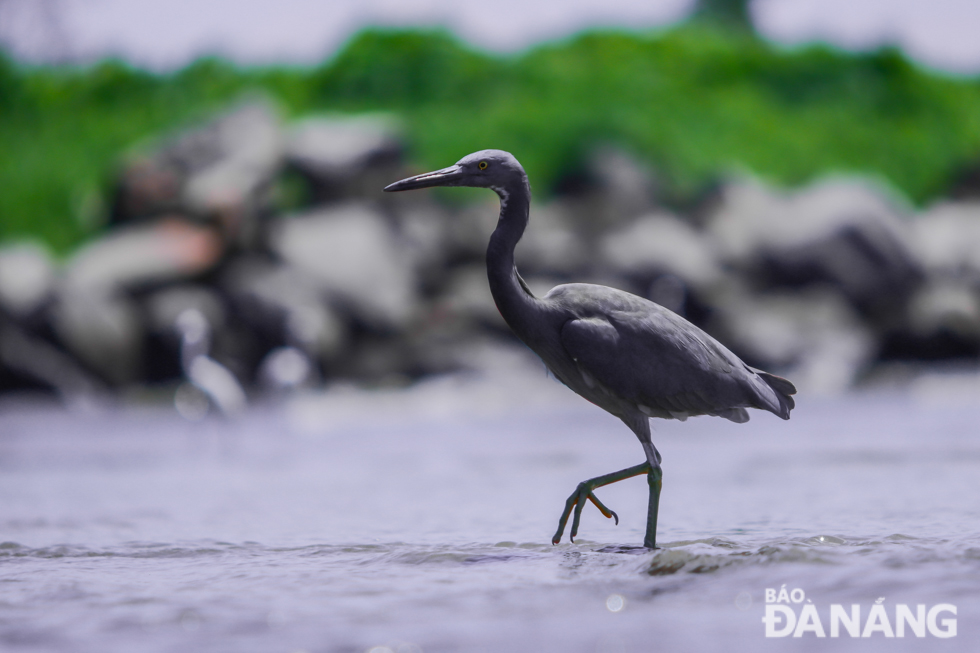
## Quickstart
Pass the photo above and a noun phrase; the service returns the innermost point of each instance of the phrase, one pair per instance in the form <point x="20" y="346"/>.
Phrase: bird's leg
<point x="584" y="492"/>
<point x="655" y="478"/>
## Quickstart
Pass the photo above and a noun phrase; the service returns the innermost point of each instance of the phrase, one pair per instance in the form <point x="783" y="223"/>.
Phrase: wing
<point x="654" y="358"/>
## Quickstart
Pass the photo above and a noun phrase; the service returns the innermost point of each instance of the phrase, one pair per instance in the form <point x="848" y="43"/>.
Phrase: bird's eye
<point x="483" y="165"/>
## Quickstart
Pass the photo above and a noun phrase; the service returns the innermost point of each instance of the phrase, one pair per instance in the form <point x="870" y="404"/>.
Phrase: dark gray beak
<point x="445" y="177"/>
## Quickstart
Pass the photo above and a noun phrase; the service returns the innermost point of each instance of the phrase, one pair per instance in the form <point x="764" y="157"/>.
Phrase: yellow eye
<point x="483" y="165"/>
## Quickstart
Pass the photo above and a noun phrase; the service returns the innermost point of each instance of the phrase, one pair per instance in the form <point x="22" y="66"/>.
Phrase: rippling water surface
<point x="421" y="519"/>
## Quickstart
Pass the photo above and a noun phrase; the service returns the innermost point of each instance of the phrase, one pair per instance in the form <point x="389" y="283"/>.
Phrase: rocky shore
<point x="251" y="256"/>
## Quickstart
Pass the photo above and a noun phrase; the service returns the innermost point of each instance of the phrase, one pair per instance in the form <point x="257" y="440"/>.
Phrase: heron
<point x="624" y="353"/>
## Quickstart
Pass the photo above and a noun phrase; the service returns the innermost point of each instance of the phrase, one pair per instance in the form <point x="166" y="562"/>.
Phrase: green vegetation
<point x="696" y="101"/>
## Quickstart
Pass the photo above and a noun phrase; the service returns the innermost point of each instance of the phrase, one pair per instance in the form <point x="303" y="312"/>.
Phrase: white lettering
<point x="809" y="622"/>
<point x="782" y="620"/>
<point x="877" y="622"/>
<point x="772" y="619"/>
<point x="904" y="616"/>
<point x="950" y="624"/>
<point x="838" y="617"/>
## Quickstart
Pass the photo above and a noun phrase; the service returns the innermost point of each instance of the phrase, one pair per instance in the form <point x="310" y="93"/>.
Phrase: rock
<point x="337" y="153"/>
<point x="946" y="238"/>
<point x="423" y="237"/>
<point x="812" y="336"/>
<point x="221" y="172"/>
<point x="628" y="183"/>
<point x="94" y="314"/>
<point x="468" y="231"/>
<point x="946" y="305"/>
<point x="351" y="254"/>
<point x="842" y="232"/>
<point x="943" y="322"/>
<point x="550" y="245"/>
<point x="103" y="330"/>
<point x="247" y="148"/>
<point x="43" y="362"/>
<point x="26" y="278"/>
<point x="943" y="315"/>
<point x="148" y="186"/>
<point x="286" y="306"/>
<point x="660" y="244"/>
<point x="145" y="254"/>
<point x="613" y="186"/>
<point x="467" y="301"/>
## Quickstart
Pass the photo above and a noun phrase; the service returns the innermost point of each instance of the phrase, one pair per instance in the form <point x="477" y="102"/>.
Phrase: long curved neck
<point x="514" y="301"/>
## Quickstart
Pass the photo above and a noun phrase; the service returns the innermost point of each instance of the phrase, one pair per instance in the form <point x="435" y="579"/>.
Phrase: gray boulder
<point x="94" y="315"/>
<point x="943" y="316"/>
<point x="287" y="305"/>
<point x="423" y="236"/>
<point x="42" y="362"/>
<point x="845" y="232"/>
<point x="339" y="154"/>
<point x="239" y="154"/>
<point x="353" y="256"/>
<point x="147" y="186"/>
<point x="946" y="239"/>
<point x="220" y="172"/>
<point x="468" y="230"/>
<point x="660" y="244"/>
<point x="145" y="254"/>
<point x="615" y="186"/>
<point x="104" y="330"/>
<point x="27" y="277"/>
<point x="946" y="305"/>
<point x="813" y="335"/>
<point x="467" y="303"/>
<point x="551" y="245"/>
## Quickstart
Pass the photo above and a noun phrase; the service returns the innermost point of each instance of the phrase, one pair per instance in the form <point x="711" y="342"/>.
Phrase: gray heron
<point x="626" y="354"/>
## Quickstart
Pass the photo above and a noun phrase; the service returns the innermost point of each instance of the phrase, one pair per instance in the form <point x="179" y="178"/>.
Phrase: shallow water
<point x="421" y="519"/>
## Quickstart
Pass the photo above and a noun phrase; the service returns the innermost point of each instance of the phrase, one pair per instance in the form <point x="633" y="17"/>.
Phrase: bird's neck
<point x="514" y="300"/>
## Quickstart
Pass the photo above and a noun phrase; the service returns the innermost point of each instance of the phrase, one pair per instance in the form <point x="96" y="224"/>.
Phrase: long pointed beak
<point x="445" y="177"/>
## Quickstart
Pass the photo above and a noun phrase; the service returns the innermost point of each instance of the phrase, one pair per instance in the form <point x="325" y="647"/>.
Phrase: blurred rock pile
<point x="248" y="257"/>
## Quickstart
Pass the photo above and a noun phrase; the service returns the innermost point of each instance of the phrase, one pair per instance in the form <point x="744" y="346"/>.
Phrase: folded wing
<point x="668" y="367"/>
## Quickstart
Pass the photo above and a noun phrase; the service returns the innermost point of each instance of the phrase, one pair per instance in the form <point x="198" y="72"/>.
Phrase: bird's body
<point x="626" y="354"/>
<point x="637" y="359"/>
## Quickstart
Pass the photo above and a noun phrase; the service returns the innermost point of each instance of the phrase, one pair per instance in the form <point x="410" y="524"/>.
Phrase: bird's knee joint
<point x="655" y="474"/>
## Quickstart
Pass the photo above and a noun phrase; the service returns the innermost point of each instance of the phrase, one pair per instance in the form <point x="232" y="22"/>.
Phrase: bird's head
<point x="494" y="169"/>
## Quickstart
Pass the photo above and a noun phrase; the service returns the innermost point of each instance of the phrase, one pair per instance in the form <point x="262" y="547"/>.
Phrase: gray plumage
<point x="626" y="354"/>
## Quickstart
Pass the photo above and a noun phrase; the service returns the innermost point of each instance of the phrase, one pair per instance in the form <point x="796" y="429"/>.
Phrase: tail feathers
<point x="778" y="383"/>
<point x="783" y="390"/>
<point x="737" y="415"/>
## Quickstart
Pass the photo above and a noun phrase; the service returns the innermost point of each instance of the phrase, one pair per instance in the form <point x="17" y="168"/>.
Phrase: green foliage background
<point x="695" y="101"/>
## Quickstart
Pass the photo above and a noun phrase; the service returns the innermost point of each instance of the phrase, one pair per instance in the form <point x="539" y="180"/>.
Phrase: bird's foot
<point x="583" y="493"/>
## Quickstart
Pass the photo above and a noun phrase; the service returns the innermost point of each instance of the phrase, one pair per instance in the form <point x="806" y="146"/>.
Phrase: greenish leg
<point x="584" y="493"/>
<point x="655" y="478"/>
